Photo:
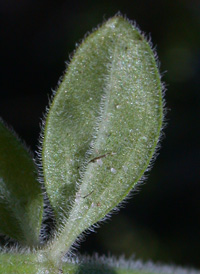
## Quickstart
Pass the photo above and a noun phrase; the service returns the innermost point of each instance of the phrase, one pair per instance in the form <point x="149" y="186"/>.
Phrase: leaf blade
<point x="110" y="106"/>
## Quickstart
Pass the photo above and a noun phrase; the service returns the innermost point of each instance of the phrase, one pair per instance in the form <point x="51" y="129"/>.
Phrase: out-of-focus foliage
<point x="21" y="201"/>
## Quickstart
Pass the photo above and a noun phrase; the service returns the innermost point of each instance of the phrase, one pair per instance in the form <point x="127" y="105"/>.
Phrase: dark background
<point x="162" y="222"/>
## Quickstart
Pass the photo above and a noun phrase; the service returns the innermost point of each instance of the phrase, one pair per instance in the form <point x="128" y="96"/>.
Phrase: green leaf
<point x="29" y="263"/>
<point x="112" y="265"/>
<point x="21" y="201"/>
<point x="102" y="128"/>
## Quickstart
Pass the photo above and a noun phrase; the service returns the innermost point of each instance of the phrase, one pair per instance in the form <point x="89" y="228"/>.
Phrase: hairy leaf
<point x="21" y="200"/>
<point x="29" y="264"/>
<point x="102" y="127"/>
